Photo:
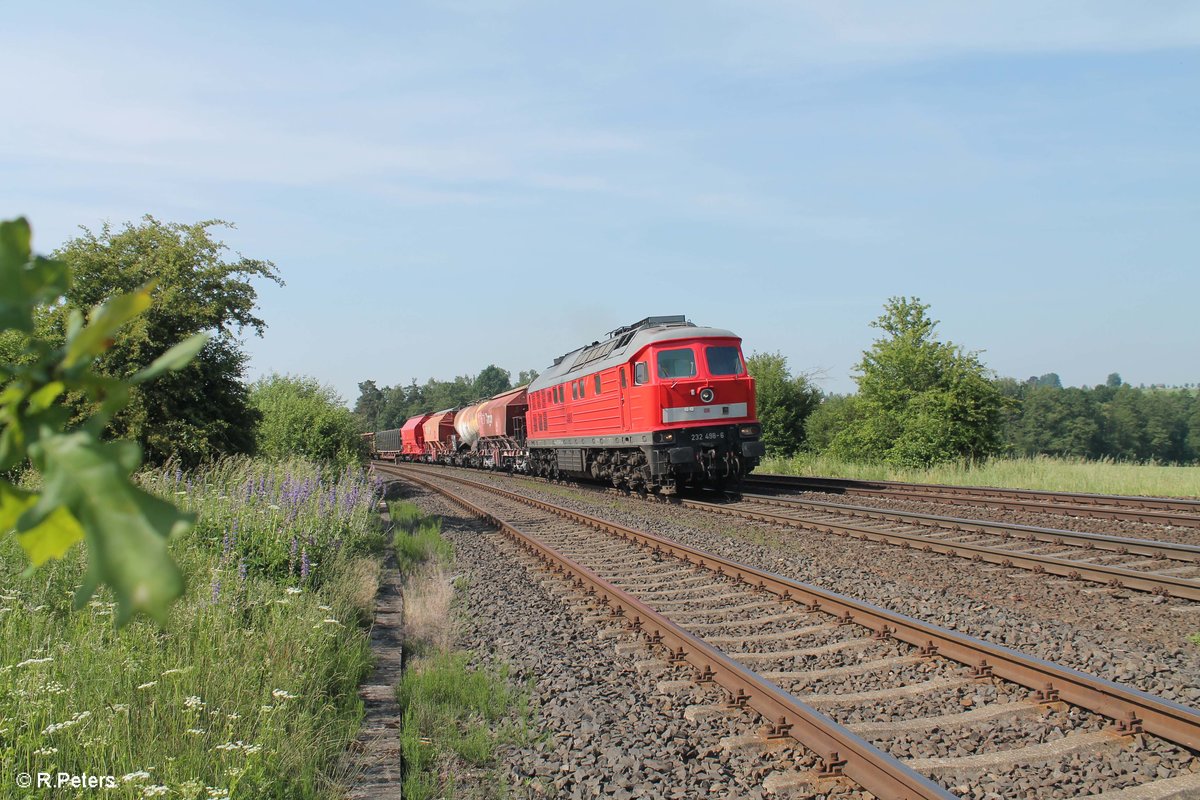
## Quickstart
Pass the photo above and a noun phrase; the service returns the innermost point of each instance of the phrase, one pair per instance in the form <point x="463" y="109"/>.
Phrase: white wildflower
<point x="251" y="749"/>
<point x="118" y="708"/>
<point x="31" y="661"/>
<point x="148" y="685"/>
<point x="324" y="608"/>
<point x="280" y="694"/>
<point x="70" y="723"/>
<point x="294" y="590"/>
<point x="197" y="731"/>
<point x="45" y="751"/>
<point x="140" y="775"/>
<point x="176" y="671"/>
<point x="155" y="791"/>
<point x="233" y="717"/>
<point x="193" y="702"/>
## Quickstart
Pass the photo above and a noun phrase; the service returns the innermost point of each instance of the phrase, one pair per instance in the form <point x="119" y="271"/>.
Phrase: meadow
<point x="1041" y="472"/>
<point x="249" y="690"/>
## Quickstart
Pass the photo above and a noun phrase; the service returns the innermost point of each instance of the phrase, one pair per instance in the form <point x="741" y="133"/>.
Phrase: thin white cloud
<point x="775" y="34"/>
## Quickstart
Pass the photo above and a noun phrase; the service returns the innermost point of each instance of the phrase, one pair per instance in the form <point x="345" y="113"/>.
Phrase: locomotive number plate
<point x="706" y="436"/>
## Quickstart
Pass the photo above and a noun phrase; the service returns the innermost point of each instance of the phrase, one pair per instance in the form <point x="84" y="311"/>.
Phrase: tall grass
<point x="250" y="689"/>
<point x="1040" y="472"/>
<point x="417" y="538"/>
<point x="452" y="709"/>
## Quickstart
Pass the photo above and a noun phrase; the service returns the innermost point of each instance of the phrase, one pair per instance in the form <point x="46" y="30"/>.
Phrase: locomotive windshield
<point x="723" y="360"/>
<point x="676" y="364"/>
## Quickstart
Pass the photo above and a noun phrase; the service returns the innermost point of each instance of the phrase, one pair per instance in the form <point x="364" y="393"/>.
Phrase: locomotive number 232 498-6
<point x="705" y="436"/>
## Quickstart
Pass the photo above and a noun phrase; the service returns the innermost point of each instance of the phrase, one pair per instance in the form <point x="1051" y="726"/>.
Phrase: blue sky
<point x="448" y="185"/>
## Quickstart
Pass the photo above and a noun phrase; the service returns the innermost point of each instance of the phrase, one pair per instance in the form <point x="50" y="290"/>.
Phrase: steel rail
<point x="1122" y="545"/>
<point x="1133" y="711"/>
<point x="1116" y="577"/>
<point x="1154" y="510"/>
<point x="843" y="753"/>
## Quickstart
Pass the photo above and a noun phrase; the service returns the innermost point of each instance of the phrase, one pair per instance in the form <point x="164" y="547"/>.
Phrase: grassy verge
<point x="250" y="691"/>
<point x="456" y="713"/>
<point x="1053" y="474"/>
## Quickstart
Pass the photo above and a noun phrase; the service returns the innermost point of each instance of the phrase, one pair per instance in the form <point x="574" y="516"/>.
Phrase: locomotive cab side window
<point x="597" y="384"/>
<point x="622" y="372"/>
<point x="574" y="391"/>
<point x="641" y="373"/>
<point x="677" y="364"/>
<point x="723" y="360"/>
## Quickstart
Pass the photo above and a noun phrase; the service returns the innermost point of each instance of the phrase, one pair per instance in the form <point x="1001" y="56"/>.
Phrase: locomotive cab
<point x="706" y="431"/>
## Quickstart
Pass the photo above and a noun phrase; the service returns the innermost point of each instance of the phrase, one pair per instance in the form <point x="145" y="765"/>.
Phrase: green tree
<point x="784" y="402"/>
<point x="1114" y="380"/>
<point x="85" y="492"/>
<point x="202" y="411"/>
<point x="301" y="417"/>
<point x="526" y="377"/>
<point x="836" y="412"/>
<point x="920" y="400"/>
<point x="369" y="407"/>
<point x="491" y="382"/>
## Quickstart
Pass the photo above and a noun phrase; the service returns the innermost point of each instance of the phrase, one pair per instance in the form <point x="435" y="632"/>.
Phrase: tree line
<point x="384" y="408"/>
<point x="921" y="401"/>
<point x="207" y="408"/>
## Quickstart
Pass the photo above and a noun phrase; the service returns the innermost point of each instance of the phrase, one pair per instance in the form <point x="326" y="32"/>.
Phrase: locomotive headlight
<point x="669" y="436"/>
<point x="748" y="430"/>
<point x="707" y="395"/>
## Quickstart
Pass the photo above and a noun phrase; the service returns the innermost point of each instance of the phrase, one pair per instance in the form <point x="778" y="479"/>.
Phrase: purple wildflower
<point x="292" y="555"/>
<point x="216" y="590"/>
<point x="242" y="571"/>
<point x="304" y="565"/>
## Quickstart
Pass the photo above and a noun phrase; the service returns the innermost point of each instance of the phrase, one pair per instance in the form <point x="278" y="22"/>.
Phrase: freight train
<point x="658" y="405"/>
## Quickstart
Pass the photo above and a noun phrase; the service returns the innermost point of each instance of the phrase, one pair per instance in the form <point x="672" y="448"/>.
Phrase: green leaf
<point x="105" y="320"/>
<point x="52" y="538"/>
<point x="175" y="358"/>
<point x="126" y="528"/>
<point x="25" y="283"/>
<point x="43" y="397"/>
<point x="49" y="539"/>
<point x="13" y="503"/>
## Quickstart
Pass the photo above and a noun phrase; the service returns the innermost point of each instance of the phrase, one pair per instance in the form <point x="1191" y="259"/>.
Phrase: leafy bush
<point x="303" y="419"/>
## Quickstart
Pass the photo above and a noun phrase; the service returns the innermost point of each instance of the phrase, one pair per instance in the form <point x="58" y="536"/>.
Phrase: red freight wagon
<point x="503" y="417"/>
<point x="412" y="437"/>
<point x="658" y="405"/>
<point x="501" y="425"/>
<point x="439" y="435"/>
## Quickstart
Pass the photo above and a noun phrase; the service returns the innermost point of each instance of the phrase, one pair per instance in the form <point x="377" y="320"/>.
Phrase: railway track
<point x="1167" y="569"/>
<point x="1153" y="510"/>
<point x="901" y="707"/>
<point x="1164" y="568"/>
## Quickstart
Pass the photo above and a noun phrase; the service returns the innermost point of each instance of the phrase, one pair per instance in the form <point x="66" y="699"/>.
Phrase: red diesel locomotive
<point x="660" y="404"/>
<point x="657" y="406"/>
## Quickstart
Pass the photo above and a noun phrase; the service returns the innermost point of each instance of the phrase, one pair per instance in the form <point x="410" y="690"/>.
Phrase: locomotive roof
<point x="620" y="346"/>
